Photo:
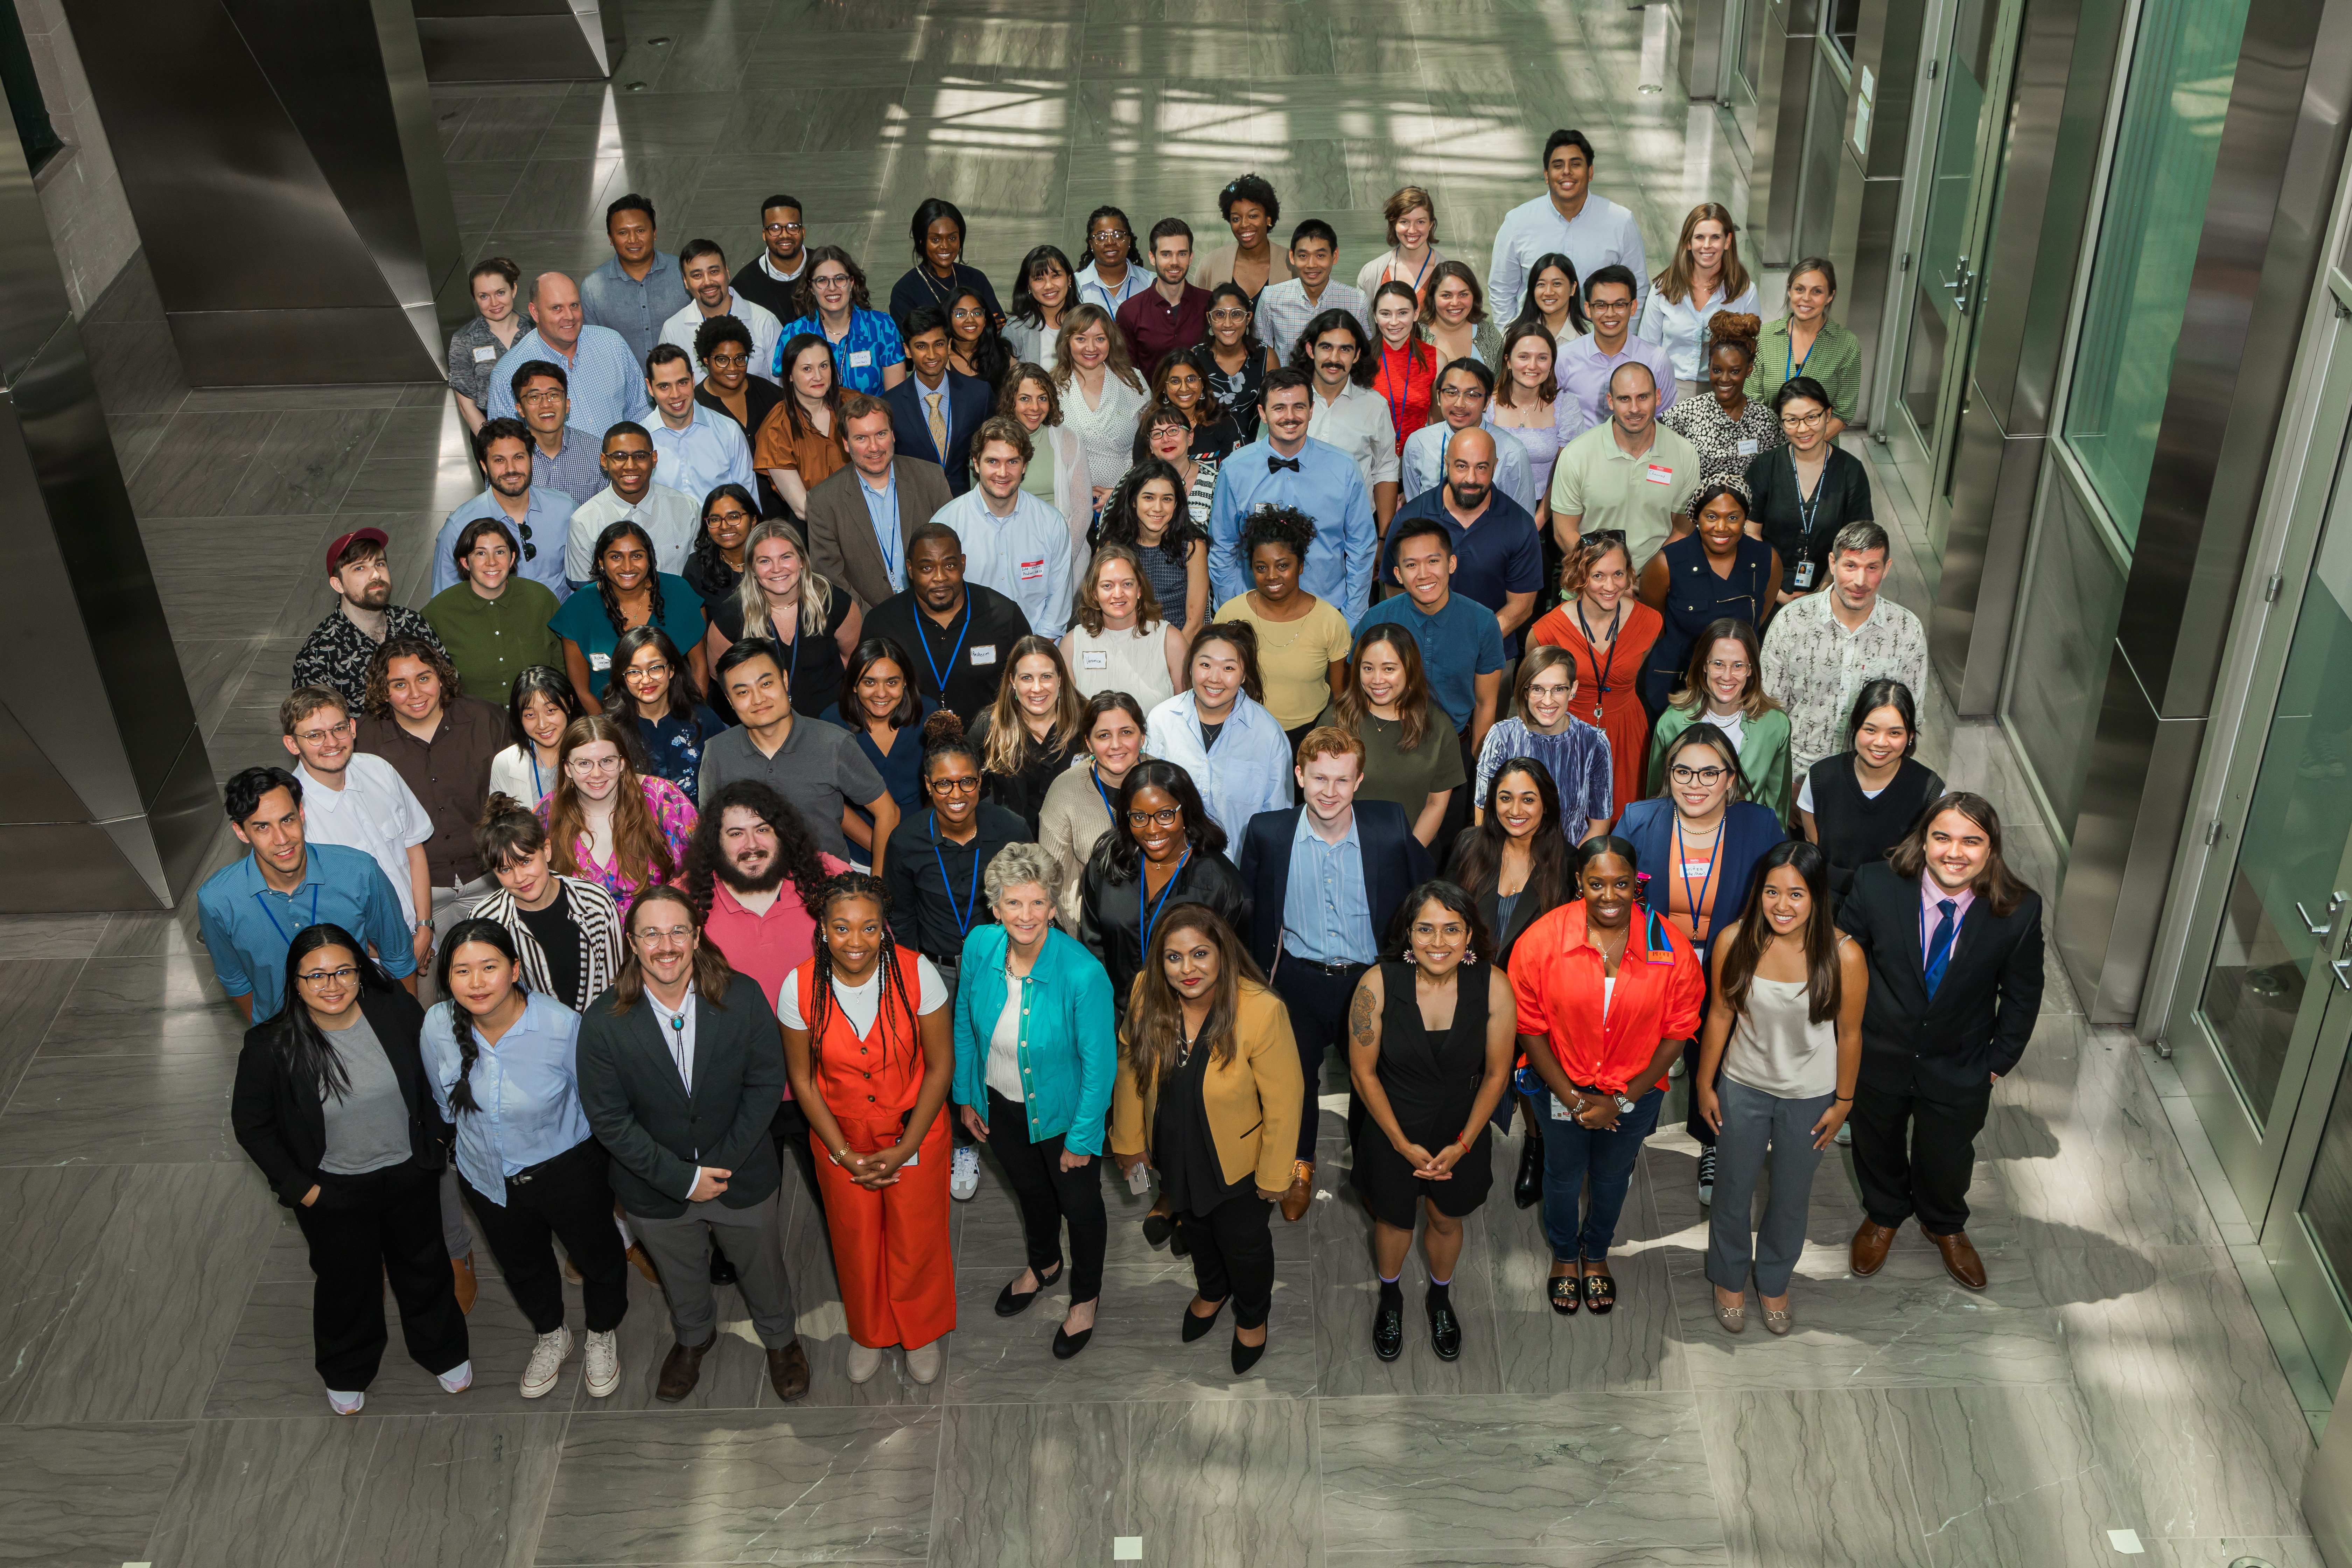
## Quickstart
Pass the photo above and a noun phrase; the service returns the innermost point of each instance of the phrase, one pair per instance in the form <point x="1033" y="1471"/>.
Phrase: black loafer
<point x="721" y="1271"/>
<point x="1067" y="1344"/>
<point x="1245" y="1356"/>
<point x="1195" y="1326"/>
<point x="1011" y="1303"/>
<point x="1445" y="1330"/>
<point x="1388" y="1330"/>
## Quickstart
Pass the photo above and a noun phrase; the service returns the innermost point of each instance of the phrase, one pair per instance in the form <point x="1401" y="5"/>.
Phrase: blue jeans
<point x="1574" y="1155"/>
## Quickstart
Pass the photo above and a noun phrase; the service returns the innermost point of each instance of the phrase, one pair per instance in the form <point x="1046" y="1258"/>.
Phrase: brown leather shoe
<point x="1301" y="1191"/>
<point x="644" y="1265"/>
<point x="1870" y="1245"/>
<point x="788" y="1372"/>
<point x="461" y="1271"/>
<point x="682" y="1369"/>
<point x="1961" y="1259"/>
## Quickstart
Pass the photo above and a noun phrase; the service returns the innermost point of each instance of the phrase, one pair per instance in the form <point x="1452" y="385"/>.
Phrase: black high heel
<point x="1245" y="1356"/>
<point x="1195" y="1325"/>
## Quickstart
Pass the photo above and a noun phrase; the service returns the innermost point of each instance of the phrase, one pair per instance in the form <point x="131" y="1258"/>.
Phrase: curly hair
<point x="1284" y="525"/>
<point x="378" y="699"/>
<point x="796" y="851"/>
<point x="1120" y="525"/>
<point x="804" y="292"/>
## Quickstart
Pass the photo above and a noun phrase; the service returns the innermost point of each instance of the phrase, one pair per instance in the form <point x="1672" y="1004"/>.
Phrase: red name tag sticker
<point x="1033" y="571"/>
<point x="1660" y="474"/>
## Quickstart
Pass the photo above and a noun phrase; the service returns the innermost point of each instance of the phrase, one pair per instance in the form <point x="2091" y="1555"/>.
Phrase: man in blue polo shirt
<point x="1461" y="642"/>
<point x="1498" y="553"/>
<point x="249" y="912"/>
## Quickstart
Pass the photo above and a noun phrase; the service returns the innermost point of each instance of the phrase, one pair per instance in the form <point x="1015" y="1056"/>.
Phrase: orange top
<point x="1690" y="880"/>
<point x="875" y="1074"/>
<point x="1603" y="1036"/>
<point x="815" y="457"/>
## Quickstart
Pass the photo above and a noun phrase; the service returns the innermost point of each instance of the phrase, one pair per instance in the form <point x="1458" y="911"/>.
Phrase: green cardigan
<point x="1835" y="362"/>
<point x="1763" y="755"/>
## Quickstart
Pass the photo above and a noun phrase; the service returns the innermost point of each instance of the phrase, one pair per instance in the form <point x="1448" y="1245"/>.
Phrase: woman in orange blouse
<point x="799" y="446"/>
<point x="1608" y="632"/>
<point x="1408" y="366"/>
<point x="1607" y="992"/>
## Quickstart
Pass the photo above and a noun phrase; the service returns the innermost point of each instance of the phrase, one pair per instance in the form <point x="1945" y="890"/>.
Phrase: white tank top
<point x="1776" y="1047"/>
<point x="1134" y="661"/>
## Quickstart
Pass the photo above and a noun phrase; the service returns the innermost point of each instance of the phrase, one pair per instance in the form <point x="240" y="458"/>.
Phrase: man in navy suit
<point x="1955" y="947"/>
<point x="935" y="410"/>
<point x="1325" y="880"/>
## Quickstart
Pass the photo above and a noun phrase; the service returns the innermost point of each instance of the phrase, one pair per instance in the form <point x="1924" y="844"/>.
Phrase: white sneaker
<point x="923" y="1362"/>
<point x="546" y="1363"/>
<point x="458" y="1378"/>
<point x="963" y="1174"/>
<point x="345" y="1403"/>
<point x="602" y="1363"/>
<point x="864" y="1361"/>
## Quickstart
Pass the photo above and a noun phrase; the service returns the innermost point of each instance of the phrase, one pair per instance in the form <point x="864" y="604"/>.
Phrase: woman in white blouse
<point x="1413" y="250"/>
<point x="1100" y="392"/>
<point x="541" y="704"/>
<point x="1706" y="277"/>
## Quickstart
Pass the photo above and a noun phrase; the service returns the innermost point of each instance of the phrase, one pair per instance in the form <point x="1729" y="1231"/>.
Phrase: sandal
<point x="1565" y="1292"/>
<point x="1599" y="1293"/>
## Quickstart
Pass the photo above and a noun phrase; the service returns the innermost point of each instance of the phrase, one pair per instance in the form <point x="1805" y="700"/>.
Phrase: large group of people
<point x="1109" y="724"/>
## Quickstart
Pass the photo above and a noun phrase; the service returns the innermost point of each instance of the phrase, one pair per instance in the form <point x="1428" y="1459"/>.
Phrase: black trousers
<point x="1232" y="1255"/>
<point x="1316" y="999"/>
<point x="1931" y="1180"/>
<point x="569" y="1196"/>
<point x="1049" y="1196"/>
<point x="362" y="1231"/>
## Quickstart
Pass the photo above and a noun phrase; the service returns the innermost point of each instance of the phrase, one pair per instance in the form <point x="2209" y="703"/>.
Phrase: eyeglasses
<point x="536" y="399"/>
<point x="656" y="670"/>
<point x="328" y="976"/>
<point x="595" y="764"/>
<point x="321" y="737"/>
<point x="1167" y="816"/>
<point x="783" y="229"/>
<point x="1607" y="307"/>
<point x="1229" y="313"/>
<point x="970" y="313"/>
<point x="955" y="786"/>
<point x="718" y="358"/>
<point x="675" y="936"/>
<point x="736" y="514"/>
<point x="1112" y="234"/>
<point x="831" y="280"/>
<point x="1803" y="421"/>
<point x="1708" y="776"/>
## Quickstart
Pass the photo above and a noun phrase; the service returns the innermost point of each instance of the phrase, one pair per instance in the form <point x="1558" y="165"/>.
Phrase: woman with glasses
<point x="1181" y="384"/>
<point x="814" y="622"/>
<point x="332" y="1103"/>
<point x="1167" y="438"/>
<point x="937" y="232"/>
<point x="1233" y="359"/>
<point x="1608" y="632"/>
<point x="1704" y="840"/>
<point x="623" y="591"/>
<point x="1078" y="807"/>
<point x="541" y="705"/>
<point x="1114" y="271"/>
<point x="1809" y="342"/>
<point x="1808" y="489"/>
<point x="975" y="347"/>
<point x="868" y="354"/>
<point x="1729" y="430"/>
<point x="800" y="444"/>
<point x="672" y="727"/>
<point x="1543" y="725"/>
<point x="492" y="621"/>
<point x="1161" y="850"/>
<point x="714" y="567"/>
<point x="1722" y="684"/>
<point x="611" y="825"/>
<point x="1043" y="288"/>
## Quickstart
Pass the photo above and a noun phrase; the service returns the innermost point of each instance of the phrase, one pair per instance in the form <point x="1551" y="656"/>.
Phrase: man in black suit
<point x="936" y="409"/>
<point x="1325" y="878"/>
<point x="681" y="1069"/>
<point x="1955" y="948"/>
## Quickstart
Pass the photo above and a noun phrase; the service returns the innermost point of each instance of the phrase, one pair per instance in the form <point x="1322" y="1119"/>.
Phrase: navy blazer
<point x="1395" y="863"/>
<point x="1749" y="830"/>
<point x="1946" y="1046"/>
<point x="969" y="401"/>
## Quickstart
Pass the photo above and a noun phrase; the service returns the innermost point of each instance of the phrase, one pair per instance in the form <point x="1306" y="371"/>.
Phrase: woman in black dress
<point x="1715" y="571"/>
<point x="1861" y="803"/>
<point x="1429" y="1045"/>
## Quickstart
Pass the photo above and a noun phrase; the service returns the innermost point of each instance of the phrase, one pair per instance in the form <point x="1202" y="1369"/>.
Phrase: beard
<point x="375" y="596"/>
<point x="741" y="881"/>
<point x="1469" y="498"/>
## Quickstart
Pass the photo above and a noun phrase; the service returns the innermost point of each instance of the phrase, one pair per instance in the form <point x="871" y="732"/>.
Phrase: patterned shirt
<point x="573" y="470"/>
<point x="336" y="653"/>
<point x="1816" y="668"/>
<point x="1725" y="446"/>
<point x="1284" y="310"/>
<point x="674" y="815"/>
<point x="860" y="355"/>
<point x="473" y="350"/>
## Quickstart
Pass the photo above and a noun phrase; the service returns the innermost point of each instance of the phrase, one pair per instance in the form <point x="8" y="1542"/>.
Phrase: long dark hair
<point x="1119" y="525"/>
<point x="304" y="1053"/>
<point x="1157" y="1020"/>
<point x="705" y="568"/>
<point x="605" y="586"/>
<point x="1448" y="895"/>
<point x="539" y="680"/>
<point x="1025" y="309"/>
<point x="1413" y="703"/>
<point x="1996" y="884"/>
<point x="1528" y="308"/>
<point x="461" y="1022"/>
<point x="795" y="420"/>
<point x="1823" y="985"/>
<point x="992" y="357"/>
<point x="1117" y="857"/>
<point x="1885" y="692"/>
<point x="796" y="850"/>
<point x="1477" y="858"/>
<point x="858" y="885"/>
<point x="621" y="703"/>
<point x="871" y="652"/>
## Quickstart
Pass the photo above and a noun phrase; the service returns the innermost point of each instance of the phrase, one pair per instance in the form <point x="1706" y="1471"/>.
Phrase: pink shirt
<point x="1930" y="896"/>
<point x="674" y="816"/>
<point x="770" y="946"/>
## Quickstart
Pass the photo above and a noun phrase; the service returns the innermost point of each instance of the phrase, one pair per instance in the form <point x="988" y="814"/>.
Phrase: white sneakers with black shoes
<point x="963" y="1174"/>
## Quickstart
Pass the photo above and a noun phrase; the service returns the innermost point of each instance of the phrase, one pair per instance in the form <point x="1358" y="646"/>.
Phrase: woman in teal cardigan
<point x="1034" y="1065"/>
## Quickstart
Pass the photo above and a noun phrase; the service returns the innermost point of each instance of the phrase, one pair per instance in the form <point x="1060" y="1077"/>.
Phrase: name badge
<point x="1747" y="447"/>
<point x="1560" y="1111"/>
<point x="1805" y="574"/>
<point x="1033" y="571"/>
<point x="600" y="661"/>
<point x="1660" y="474"/>
<point x="1094" y="658"/>
<point x="860" y="358"/>
<point x="1697" y="870"/>
<point x="985" y="655"/>
<point x="484" y="356"/>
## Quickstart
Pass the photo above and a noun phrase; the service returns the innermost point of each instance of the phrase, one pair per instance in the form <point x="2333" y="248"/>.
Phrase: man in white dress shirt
<point x="709" y="295"/>
<point x="1591" y="231"/>
<point x="668" y="519"/>
<point x="1012" y="542"/>
<point x="699" y="448"/>
<point x="1337" y="352"/>
<point x="359" y="801"/>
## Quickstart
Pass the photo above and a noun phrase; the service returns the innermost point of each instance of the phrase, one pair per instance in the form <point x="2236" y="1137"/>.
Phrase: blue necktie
<point x="1940" y="944"/>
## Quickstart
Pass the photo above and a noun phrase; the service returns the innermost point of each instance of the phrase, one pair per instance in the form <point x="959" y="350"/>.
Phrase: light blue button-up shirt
<point x="247" y="927"/>
<point x="1424" y="465"/>
<point x="1327" y="916"/>
<point x="606" y="385"/>
<point x="541" y="537"/>
<point x="1328" y="487"/>
<point x="882" y="512"/>
<point x="1247" y="771"/>
<point x="709" y="452"/>
<point x="635" y="308"/>
<point x="1602" y="234"/>
<point x="527" y="1086"/>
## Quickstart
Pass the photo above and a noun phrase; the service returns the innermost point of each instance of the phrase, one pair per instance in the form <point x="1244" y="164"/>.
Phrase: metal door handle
<point x="2339" y="966"/>
<point x="2315" y="930"/>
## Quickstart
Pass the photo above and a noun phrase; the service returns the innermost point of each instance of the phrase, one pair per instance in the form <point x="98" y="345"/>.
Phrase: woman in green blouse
<point x="1413" y="753"/>
<point x="1725" y="688"/>
<point x="1807" y="341"/>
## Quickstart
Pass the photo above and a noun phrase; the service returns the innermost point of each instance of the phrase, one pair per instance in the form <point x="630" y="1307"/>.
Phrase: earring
<point x="1469" y="955"/>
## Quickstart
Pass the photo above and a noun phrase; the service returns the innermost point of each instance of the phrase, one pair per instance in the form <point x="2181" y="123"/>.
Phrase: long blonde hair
<point x="816" y="593"/>
<point x="1008" y="731"/>
<point x="1119" y="364"/>
<point x="640" y="853"/>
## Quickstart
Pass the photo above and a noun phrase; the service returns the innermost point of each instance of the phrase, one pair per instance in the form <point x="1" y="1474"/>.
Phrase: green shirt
<point x="1605" y="486"/>
<point x="1763" y="754"/>
<point x="491" y="641"/>
<point x="1835" y="361"/>
<point x="1408" y="778"/>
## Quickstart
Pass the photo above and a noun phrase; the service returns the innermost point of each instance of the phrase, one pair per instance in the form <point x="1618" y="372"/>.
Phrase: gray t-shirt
<point x="817" y="768"/>
<point x="367" y="1127"/>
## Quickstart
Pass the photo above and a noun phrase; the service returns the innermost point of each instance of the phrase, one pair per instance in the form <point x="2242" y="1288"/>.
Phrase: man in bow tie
<point x="1286" y="466"/>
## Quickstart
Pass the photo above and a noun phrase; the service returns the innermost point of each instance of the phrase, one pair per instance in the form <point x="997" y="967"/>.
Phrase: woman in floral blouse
<point x="608" y="823"/>
<point x="1729" y="428"/>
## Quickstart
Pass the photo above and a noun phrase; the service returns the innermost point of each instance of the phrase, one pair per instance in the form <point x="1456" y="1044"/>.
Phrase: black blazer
<point x="1395" y="863"/>
<point x="282" y="1124"/>
<point x="968" y="402"/>
<point x="649" y="1124"/>
<point x="1982" y="1013"/>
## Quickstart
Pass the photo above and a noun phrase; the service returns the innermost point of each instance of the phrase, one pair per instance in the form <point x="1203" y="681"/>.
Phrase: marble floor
<point x="2113" y="1391"/>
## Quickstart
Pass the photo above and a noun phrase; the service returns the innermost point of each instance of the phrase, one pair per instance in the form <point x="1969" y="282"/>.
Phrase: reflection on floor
<point x="155" y="1367"/>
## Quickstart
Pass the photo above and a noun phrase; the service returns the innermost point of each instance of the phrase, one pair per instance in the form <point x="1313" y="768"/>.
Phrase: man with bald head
<point x="1631" y="473"/>
<point x="607" y="384"/>
<point x="1497" y="554"/>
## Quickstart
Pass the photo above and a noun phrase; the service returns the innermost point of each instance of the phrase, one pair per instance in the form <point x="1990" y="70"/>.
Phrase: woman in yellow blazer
<point x="1209" y="1091"/>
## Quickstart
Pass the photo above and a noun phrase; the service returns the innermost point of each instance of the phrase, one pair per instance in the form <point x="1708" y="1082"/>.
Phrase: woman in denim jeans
<point x="1607" y="992"/>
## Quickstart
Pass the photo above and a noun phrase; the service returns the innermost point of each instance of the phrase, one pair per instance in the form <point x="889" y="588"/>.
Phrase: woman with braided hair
<point x="871" y="1050"/>
<point x="626" y="592"/>
<point x="503" y="1064"/>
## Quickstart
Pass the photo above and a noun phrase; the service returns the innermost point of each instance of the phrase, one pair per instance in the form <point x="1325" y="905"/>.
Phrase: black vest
<point x="1855" y="830"/>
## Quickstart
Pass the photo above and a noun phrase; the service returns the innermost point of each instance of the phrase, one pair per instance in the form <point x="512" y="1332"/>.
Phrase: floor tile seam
<point x="367" y="1474"/>
<point x="71" y="986"/>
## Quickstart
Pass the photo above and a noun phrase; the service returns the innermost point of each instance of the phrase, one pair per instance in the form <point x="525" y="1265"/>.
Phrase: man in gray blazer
<point x="681" y="1069"/>
<point x="859" y="519"/>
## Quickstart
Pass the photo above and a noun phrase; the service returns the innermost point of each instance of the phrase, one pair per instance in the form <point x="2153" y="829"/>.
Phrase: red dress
<point x="1611" y="682"/>
<point x="890" y="1246"/>
<point x="1407" y="379"/>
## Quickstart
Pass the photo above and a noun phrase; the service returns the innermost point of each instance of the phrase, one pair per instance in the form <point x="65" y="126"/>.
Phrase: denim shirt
<point x="527" y="1086"/>
<point x="1068" y="1050"/>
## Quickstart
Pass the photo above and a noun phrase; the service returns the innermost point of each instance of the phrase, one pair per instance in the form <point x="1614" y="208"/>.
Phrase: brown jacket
<point x="1252" y="1101"/>
<point x="841" y="531"/>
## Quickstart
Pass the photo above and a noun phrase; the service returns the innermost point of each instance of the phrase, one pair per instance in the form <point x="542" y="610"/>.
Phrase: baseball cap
<point x="375" y="536"/>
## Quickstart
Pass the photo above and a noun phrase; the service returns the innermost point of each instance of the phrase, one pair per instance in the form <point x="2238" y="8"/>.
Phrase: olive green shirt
<point x="491" y="641"/>
<point x="1835" y="361"/>
<point x="1408" y="778"/>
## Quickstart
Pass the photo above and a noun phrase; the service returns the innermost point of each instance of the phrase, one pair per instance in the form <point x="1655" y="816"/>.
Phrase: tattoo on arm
<point x="1363" y="1018"/>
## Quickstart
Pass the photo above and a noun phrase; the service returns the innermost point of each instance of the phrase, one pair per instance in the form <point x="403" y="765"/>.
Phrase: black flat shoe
<point x="1159" y="1227"/>
<point x="1195" y="1326"/>
<point x="1527" y="1190"/>
<point x="1067" y="1344"/>
<point x="1011" y="1303"/>
<point x="721" y="1271"/>
<point x="1177" y="1247"/>
<point x="1445" y="1329"/>
<point x="1388" y="1330"/>
<point x="1245" y="1356"/>
<point x="1565" y="1292"/>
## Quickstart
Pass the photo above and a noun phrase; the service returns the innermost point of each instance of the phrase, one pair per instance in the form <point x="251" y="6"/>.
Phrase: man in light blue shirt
<point x="699" y="449"/>
<point x="1283" y="309"/>
<point x="605" y="382"/>
<point x="1286" y="466"/>
<point x="1587" y="363"/>
<point x="640" y="287"/>
<point x="561" y="458"/>
<point x="1591" y="231"/>
<point x="250" y="913"/>
<point x="1012" y="542"/>
<point x="536" y="515"/>
<point x="1462" y="392"/>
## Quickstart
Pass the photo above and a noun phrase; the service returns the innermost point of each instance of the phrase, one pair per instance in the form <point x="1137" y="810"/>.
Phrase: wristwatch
<point x="1625" y="1106"/>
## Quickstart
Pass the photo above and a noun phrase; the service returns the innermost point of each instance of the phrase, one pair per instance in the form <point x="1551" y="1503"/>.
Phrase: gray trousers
<point x="1756" y="1128"/>
<point x="680" y="1249"/>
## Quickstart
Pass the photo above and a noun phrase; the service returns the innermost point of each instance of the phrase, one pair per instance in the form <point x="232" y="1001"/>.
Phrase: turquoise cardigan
<point x="1069" y="1051"/>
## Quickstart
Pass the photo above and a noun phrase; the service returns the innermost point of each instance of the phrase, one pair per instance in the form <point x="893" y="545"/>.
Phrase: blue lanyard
<point x="538" y="787"/>
<point x="1096" y="779"/>
<point x="277" y="925"/>
<point x="1790" y="363"/>
<point x="970" y="911"/>
<point x="1151" y="915"/>
<point x="1682" y="874"/>
<point x="923" y="635"/>
<point x="892" y="550"/>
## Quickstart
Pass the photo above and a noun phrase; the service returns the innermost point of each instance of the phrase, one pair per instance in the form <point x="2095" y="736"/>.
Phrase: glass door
<point x="2308" y="1241"/>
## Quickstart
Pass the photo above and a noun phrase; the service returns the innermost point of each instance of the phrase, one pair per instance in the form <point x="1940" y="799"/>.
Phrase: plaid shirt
<point x="336" y="653"/>
<point x="1283" y="312"/>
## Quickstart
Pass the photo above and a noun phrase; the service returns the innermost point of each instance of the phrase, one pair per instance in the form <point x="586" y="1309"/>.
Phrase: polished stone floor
<point x="156" y="1398"/>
